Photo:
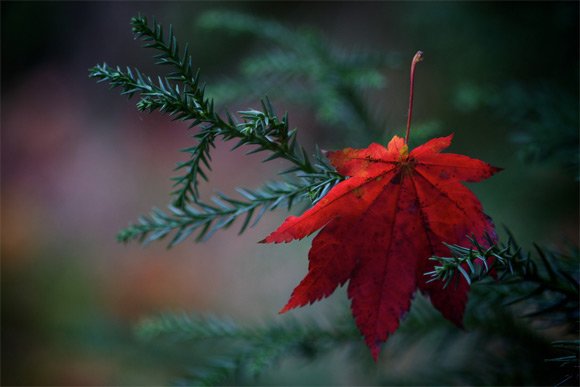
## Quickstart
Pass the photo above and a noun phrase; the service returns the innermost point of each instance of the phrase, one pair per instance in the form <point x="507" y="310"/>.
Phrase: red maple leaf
<point x="380" y="227"/>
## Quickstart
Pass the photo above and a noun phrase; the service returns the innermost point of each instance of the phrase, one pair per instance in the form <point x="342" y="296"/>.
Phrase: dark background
<point x="79" y="162"/>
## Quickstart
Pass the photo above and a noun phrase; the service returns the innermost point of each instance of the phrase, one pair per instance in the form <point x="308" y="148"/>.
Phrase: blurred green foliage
<point x="543" y="118"/>
<point x="303" y="67"/>
<point x="505" y="341"/>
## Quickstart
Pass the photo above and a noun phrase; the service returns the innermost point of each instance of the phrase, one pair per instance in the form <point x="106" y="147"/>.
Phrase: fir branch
<point x="182" y="105"/>
<point x="262" y="129"/>
<point x="200" y="157"/>
<point x="187" y="184"/>
<point x="249" y="350"/>
<point x="161" y="95"/>
<point x="170" y="53"/>
<point x="206" y="219"/>
<point x="181" y="96"/>
<point x="493" y="320"/>
<point x="510" y="265"/>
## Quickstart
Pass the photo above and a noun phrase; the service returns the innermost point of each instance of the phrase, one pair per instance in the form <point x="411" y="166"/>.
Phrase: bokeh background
<point x="79" y="162"/>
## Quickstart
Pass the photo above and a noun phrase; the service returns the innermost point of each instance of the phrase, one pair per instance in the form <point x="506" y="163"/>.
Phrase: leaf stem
<point x="416" y="59"/>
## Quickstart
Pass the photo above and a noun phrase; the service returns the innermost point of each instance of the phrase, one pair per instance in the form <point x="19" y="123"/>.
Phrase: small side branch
<point x="205" y="219"/>
<point x="508" y="264"/>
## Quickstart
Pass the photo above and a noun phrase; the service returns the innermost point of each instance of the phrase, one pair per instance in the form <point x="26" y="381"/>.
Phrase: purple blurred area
<point x="79" y="163"/>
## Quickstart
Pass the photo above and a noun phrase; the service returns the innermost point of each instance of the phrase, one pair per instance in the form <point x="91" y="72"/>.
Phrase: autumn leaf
<point x="380" y="226"/>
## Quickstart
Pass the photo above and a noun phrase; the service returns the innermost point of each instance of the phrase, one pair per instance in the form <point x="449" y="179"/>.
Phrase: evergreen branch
<point x="185" y="105"/>
<point x="251" y="350"/>
<point x="169" y="50"/>
<point x="206" y="219"/>
<point x="162" y="96"/>
<point x="187" y="184"/>
<point x="510" y="265"/>
<point x="262" y="129"/>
